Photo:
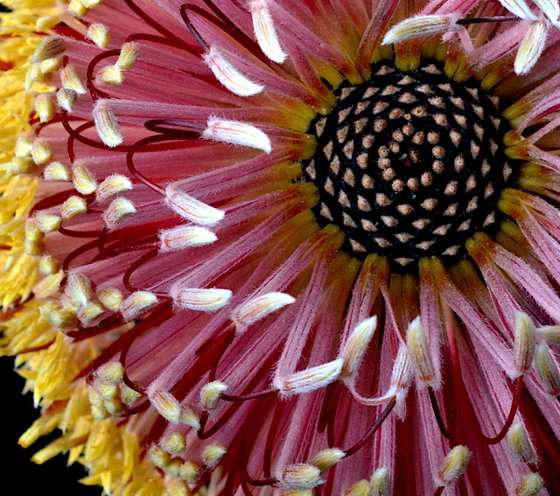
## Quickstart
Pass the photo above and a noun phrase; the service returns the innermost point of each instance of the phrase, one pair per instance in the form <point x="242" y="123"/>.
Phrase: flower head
<point x="293" y="245"/>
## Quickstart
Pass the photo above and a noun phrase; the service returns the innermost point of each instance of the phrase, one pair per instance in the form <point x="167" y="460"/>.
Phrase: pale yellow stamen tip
<point x="57" y="316"/>
<point x="49" y="48"/>
<point x="380" y="482"/>
<point x="71" y="80"/>
<point x="454" y="465"/>
<point x="74" y="206"/>
<point x="66" y="99"/>
<point x="356" y="346"/>
<point x="99" y="34"/>
<point x="420" y="352"/>
<point x="107" y="126"/>
<point x="77" y="8"/>
<point x="327" y="458"/>
<point x="189" y="417"/>
<point x="301" y="476"/>
<point x="212" y="454"/>
<point x="360" y="488"/>
<point x="40" y="152"/>
<point x="547" y="370"/>
<point x="189" y="471"/>
<point x="210" y="394"/>
<point x="128" y="56"/>
<point x="524" y="343"/>
<point x="118" y="210"/>
<point x="111" y="75"/>
<point x="111" y="372"/>
<point x="56" y="171"/>
<point x="137" y="303"/>
<point x="258" y="308"/>
<point x="48" y="265"/>
<point x="520" y="444"/>
<point x="90" y="312"/>
<point x="173" y="443"/>
<point x="159" y="457"/>
<point x="111" y="186"/>
<point x="45" y="107"/>
<point x="111" y="298"/>
<point x="78" y="289"/>
<point x="49" y="285"/>
<point x="166" y="405"/>
<point x="47" y="222"/>
<point x="530" y="485"/>
<point x="83" y="179"/>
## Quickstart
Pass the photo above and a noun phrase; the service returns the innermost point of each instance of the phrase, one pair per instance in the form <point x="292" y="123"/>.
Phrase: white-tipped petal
<point x="237" y="133"/>
<point x="229" y="76"/>
<point x="524" y="343"/>
<point x="531" y="484"/>
<point x="519" y="8"/>
<point x="356" y="346"/>
<point x="423" y="25"/>
<point x="520" y="445"/>
<point x="136" y="303"/>
<point x="420" y="352"/>
<point x="454" y="465"/>
<point x="118" y="210"/>
<point x="265" y="32"/>
<point x="183" y="237"/>
<point x="258" y="308"/>
<point x="300" y="477"/>
<point x="111" y="186"/>
<point x="546" y="370"/>
<point x="199" y="299"/>
<point x="107" y="126"/>
<point x="380" y="483"/>
<point x="310" y="379"/>
<point x="210" y="394"/>
<point x="531" y="47"/>
<point x="166" y="405"/>
<point x="190" y="208"/>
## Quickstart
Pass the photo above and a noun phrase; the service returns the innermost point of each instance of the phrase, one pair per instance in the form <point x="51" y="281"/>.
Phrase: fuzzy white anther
<point x="422" y="25"/>
<point x="136" y="303"/>
<point x="419" y="352"/>
<point x="547" y="370"/>
<point x="189" y="417"/>
<point x="74" y="206"/>
<point x="300" y="477"/>
<point x="309" y="379"/>
<point x="265" y="32"/>
<point x="48" y="48"/>
<point x="328" y="458"/>
<point x="128" y="56"/>
<point x="78" y="289"/>
<point x="531" y="47"/>
<point x="184" y="237"/>
<point x="110" y="372"/>
<point x="531" y="484"/>
<point x="190" y="208"/>
<point x="211" y="393"/>
<point x="111" y="186"/>
<point x="166" y="405"/>
<point x="355" y="348"/>
<point x="520" y="445"/>
<point x="174" y="443"/>
<point x="212" y="454"/>
<point x="237" y="133"/>
<point x="71" y="81"/>
<point x="106" y="125"/>
<point x="524" y="343"/>
<point x="199" y="299"/>
<point x="380" y="483"/>
<point x="227" y="74"/>
<point x="41" y="152"/>
<point x="83" y="179"/>
<point x="47" y="222"/>
<point x="45" y="107"/>
<point x="551" y="334"/>
<point x="360" y="488"/>
<point x="402" y="374"/>
<point x="118" y="210"/>
<point x="258" y="308"/>
<point x="454" y="465"/>
<point x="66" y="99"/>
<point x="99" y="34"/>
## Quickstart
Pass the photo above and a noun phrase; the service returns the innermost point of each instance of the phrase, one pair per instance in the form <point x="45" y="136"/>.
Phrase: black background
<point x="21" y="476"/>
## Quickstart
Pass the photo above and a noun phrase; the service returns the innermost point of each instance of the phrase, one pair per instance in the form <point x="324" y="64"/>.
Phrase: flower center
<point x="410" y="164"/>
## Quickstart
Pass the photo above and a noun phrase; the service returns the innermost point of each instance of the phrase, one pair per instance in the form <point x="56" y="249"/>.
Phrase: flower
<point x="291" y="245"/>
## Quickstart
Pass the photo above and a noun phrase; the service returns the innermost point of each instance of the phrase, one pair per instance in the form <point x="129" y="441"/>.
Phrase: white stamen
<point x="524" y="343"/>
<point x="519" y="8"/>
<point x="454" y="465"/>
<point x="118" y="210"/>
<point x="229" y="76"/>
<point x="66" y="99"/>
<point x="111" y="186"/>
<point x="531" y="47"/>
<point x="520" y="444"/>
<point x="166" y="405"/>
<point x="173" y="443"/>
<point x="83" y="179"/>
<point x="107" y="126"/>
<point x="423" y="25"/>
<point x="356" y="346"/>
<point x="190" y="208"/>
<point x="47" y="222"/>
<point x="258" y="308"/>
<point x="201" y="300"/>
<point x="265" y="32"/>
<point x="402" y="374"/>
<point x="300" y="477"/>
<point x="237" y="133"/>
<point x="420" y="352"/>
<point x="74" y="206"/>
<point x="136" y="303"/>
<point x="111" y="372"/>
<point x="190" y="417"/>
<point x="45" y="107"/>
<point x="99" y="34"/>
<point x="551" y="334"/>
<point x="71" y="80"/>
<point x="546" y="370"/>
<point x="111" y="298"/>
<point x="183" y="237"/>
<point x="210" y="394"/>
<point x="128" y="56"/>
<point x="41" y="152"/>
<point x="309" y="379"/>
<point x="360" y="488"/>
